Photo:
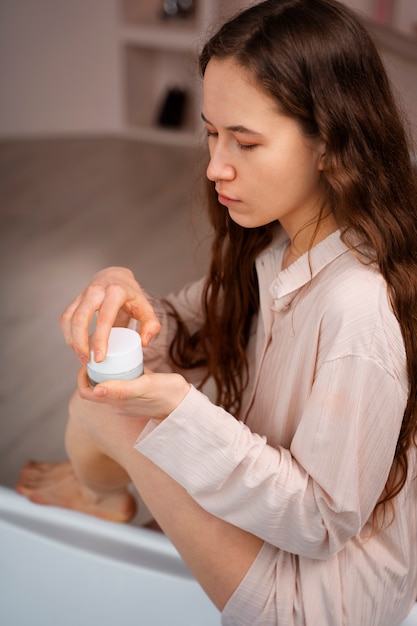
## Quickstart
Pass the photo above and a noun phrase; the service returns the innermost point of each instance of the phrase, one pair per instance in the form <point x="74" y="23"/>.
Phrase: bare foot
<point x="56" y="484"/>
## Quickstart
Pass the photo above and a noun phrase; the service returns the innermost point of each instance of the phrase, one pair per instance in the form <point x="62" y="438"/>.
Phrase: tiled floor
<point x="69" y="208"/>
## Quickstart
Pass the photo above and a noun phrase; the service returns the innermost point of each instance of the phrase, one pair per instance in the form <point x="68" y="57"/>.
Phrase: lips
<point x="225" y="199"/>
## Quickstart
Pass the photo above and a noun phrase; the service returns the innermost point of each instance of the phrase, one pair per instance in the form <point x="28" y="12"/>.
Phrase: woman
<point x="292" y="498"/>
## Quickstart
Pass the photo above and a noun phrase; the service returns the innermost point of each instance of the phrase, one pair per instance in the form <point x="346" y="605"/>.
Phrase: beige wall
<point x="399" y="53"/>
<point x="60" y="70"/>
<point x="58" y="67"/>
<point x="403" y="73"/>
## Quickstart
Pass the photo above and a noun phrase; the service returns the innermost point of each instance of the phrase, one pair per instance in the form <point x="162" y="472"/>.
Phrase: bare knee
<point x="79" y="408"/>
<point x="112" y="433"/>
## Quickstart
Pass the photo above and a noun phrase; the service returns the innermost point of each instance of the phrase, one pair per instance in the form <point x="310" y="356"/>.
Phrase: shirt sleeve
<point x="309" y="500"/>
<point x="188" y="304"/>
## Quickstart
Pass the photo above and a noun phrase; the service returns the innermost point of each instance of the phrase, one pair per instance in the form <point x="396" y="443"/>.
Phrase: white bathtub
<point x="61" y="568"/>
<point x="412" y="618"/>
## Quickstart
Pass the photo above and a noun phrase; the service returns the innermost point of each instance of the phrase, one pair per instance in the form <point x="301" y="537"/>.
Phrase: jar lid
<point x="124" y="352"/>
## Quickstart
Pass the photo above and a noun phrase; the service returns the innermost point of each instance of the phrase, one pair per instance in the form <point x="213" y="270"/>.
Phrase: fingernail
<point x="100" y="391"/>
<point x="98" y="356"/>
<point x="83" y="359"/>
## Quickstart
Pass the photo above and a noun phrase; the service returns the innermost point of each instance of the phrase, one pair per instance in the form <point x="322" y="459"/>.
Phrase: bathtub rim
<point x="125" y="543"/>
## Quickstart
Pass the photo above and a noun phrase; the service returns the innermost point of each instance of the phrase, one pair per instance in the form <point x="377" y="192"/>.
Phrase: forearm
<point x="234" y="474"/>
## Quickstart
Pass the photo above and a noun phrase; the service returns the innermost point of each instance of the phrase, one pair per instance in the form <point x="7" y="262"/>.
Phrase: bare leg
<point x="100" y="446"/>
<point x="57" y="484"/>
<point x="101" y="491"/>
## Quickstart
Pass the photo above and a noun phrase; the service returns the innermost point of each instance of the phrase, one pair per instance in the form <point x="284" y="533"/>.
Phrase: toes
<point x="38" y="472"/>
<point x="31" y="494"/>
<point x="34" y="474"/>
<point x="56" y="484"/>
<point x="29" y="474"/>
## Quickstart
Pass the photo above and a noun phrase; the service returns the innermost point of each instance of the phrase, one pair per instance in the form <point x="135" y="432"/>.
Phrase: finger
<point x="84" y="388"/>
<point x="78" y="319"/>
<point x="107" y="314"/>
<point x="143" y="312"/>
<point x="149" y="329"/>
<point x="121" y="389"/>
<point x="65" y="320"/>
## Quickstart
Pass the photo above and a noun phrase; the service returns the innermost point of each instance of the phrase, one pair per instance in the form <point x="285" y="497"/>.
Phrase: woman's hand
<point x="152" y="396"/>
<point x="116" y="296"/>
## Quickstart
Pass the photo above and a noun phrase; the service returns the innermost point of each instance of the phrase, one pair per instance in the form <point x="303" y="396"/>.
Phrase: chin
<point x="246" y="221"/>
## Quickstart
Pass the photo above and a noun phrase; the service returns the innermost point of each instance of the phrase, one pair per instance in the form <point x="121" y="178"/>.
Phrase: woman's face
<point x="264" y="168"/>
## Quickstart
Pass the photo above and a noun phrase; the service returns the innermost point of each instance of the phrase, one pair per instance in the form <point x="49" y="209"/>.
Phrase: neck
<point x="308" y="237"/>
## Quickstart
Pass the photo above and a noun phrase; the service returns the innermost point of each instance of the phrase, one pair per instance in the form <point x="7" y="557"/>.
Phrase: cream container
<point x="124" y="358"/>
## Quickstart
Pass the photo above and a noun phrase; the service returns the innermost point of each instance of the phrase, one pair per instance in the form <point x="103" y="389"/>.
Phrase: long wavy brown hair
<point x="320" y="65"/>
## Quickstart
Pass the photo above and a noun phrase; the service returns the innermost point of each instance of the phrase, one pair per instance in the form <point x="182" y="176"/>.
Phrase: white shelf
<point x="150" y="73"/>
<point x="157" y="55"/>
<point x="163" y="37"/>
<point x="162" y="136"/>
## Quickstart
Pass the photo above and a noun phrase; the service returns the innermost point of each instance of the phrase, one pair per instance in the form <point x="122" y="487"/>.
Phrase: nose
<point x="220" y="166"/>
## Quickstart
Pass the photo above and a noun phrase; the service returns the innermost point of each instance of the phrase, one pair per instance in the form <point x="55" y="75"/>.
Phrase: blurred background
<point x="100" y="162"/>
<point x="101" y="66"/>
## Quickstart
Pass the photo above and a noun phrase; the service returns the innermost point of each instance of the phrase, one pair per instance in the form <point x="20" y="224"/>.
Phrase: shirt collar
<point x="289" y="281"/>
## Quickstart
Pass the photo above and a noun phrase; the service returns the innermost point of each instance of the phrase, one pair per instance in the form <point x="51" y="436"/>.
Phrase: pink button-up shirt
<point x="306" y="464"/>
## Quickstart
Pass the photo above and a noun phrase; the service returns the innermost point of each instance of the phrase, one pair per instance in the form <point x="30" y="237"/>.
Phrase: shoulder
<point x="356" y="315"/>
<point x="350" y="286"/>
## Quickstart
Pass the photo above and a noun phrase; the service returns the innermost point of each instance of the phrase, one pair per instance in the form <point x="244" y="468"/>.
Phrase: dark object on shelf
<point x="173" y="109"/>
<point x="177" y="8"/>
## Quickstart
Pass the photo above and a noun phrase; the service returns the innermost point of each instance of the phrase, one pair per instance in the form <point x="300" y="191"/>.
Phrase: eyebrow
<point x="236" y="129"/>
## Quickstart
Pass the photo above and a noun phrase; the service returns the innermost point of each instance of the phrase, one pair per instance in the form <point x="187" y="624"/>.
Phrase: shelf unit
<point x="159" y="54"/>
<point x="398" y="16"/>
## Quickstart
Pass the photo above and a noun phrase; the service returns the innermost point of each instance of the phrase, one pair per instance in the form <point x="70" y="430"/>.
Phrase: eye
<point x="245" y="146"/>
<point x="211" y="133"/>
